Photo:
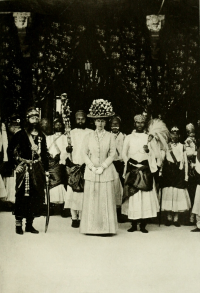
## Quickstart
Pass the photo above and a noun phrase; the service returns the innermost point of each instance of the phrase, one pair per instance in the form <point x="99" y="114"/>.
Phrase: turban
<point x="115" y="118"/>
<point x="190" y="128"/>
<point x="139" y="118"/>
<point x="80" y="113"/>
<point x="32" y="112"/>
<point x="175" y="129"/>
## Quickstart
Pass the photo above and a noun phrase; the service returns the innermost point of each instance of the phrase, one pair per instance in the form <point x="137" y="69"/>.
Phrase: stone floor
<point x="166" y="260"/>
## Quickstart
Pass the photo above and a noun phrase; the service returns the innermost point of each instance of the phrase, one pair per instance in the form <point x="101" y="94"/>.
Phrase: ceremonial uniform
<point x="191" y="151"/>
<point x="74" y="200"/>
<point x="196" y="206"/>
<point x="175" y="197"/>
<point x="56" y="145"/>
<point x="139" y="202"/>
<point x="30" y="184"/>
<point x="27" y="152"/>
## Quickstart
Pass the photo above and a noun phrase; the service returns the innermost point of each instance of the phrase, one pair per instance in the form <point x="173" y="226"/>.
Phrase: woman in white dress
<point x="99" y="204"/>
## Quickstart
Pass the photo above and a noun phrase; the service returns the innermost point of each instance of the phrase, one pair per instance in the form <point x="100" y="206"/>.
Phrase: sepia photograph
<point x="99" y="146"/>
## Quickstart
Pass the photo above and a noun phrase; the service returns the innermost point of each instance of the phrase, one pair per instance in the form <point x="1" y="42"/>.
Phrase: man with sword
<point x="28" y="154"/>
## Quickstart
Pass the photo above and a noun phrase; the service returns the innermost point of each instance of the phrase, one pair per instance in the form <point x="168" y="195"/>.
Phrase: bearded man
<point x="74" y="199"/>
<point x="140" y="197"/>
<point x="28" y="155"/>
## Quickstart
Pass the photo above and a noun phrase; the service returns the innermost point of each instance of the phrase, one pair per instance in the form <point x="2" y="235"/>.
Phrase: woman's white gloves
<point x="94" y="170"/>
<point x="97" y="170"/>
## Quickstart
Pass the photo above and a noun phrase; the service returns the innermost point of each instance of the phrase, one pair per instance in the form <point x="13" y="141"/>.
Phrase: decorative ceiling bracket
<point x="21" y="22"/>
<point x="155" y="24"/>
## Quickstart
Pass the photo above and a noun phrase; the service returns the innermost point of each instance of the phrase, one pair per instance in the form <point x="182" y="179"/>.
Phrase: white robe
<point x="74" y="200"/>
<point x="143" y="204"/>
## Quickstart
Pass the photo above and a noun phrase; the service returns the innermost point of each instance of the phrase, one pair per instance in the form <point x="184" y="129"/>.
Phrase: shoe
<point x="132" y="229"/>
<point x="74" y="224"/>
<point x="177" y="224"/>
<point x="195" y="230"/>
<point x="19" y="230"/>
<point x="31" y="229"/>
<point x="143" y="230"/>
<point x="78" y="223"/>
<point x="65" y="213"/>
<point x="168" y="223"/>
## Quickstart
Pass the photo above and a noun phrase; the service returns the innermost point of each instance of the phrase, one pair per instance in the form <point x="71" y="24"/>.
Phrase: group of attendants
<point x="135" y="175"/>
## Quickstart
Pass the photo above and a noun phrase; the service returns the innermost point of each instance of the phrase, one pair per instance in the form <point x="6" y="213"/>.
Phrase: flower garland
<point x="101" y="107"/>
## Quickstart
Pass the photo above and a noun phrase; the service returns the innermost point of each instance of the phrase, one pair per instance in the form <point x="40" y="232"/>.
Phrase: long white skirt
<point x="73" y="200"/>
<point x="99" y="208"/>
<point x="196" y="206"/>
<point x="175" y="199"/>
<point x="57" y="194"/>
<point x="118" y="191"/>
<point x="142" y="205"/>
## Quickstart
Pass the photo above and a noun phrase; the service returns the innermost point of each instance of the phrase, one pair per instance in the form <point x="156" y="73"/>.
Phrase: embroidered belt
<point x="29" y="161"/>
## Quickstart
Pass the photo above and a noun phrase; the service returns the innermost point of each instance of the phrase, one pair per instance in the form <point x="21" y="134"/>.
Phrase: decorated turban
<point x="190" y="128"/>
<point x="15" y="119"/>
<point x="31" y="112"/>
<point x="80" y="113"/>
<point x="174" y="130"/>
<point x="140" y="118"/>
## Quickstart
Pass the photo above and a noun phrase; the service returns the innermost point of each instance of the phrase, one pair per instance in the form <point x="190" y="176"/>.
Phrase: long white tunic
<point x="143" y="204"/>
<point x="74" y="200"/>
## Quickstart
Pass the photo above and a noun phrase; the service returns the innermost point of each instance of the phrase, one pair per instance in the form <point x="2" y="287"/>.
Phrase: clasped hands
<point x="97" y="170"/>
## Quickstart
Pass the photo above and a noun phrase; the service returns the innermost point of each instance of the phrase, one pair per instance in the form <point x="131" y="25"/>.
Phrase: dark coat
<point x="20" y="148"/>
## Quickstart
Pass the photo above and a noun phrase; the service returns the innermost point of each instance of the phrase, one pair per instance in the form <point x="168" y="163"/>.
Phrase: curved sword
<point x="48" y="203"/>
